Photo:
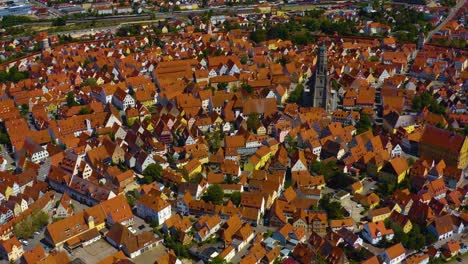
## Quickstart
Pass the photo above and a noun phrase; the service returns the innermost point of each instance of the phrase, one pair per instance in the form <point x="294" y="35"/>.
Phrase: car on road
<point x="141" y="227"/>
<point x="37" y="233"/>
<point x="459" y="259"/>
<point x="24" y="242"/>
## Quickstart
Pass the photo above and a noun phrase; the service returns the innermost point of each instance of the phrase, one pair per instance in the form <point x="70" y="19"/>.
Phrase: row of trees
<point x="13" y="75"/>
<point x="26" y="228"/>
<point x="215" y="194"/>
<point x="299" y="31"/>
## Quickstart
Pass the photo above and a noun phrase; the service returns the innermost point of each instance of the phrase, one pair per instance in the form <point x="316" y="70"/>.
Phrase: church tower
<point x="317" y="93"/>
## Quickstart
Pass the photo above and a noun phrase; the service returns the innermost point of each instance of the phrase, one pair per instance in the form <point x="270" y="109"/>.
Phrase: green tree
<point x="60" y="21"/>
<point x="152" y="172"/>
<point x="333" y="208"/>
<point x="247" y="88"/>
<point x="218" y="260"/>
<point x="465" y="130"/>
<point x="364" y="124"/>
<point x="222" y="86"/>
<point x="244" y="59"/>
<point x="10" y="21"/>
<point x="426" y="100"/>
<point x="258" y="36"/>
<point x="36" y="220"/>
<point x="253" y="121"/>
<point x="374" y="58"/>
<point x="71" y="99"/>
<point x="4" y="138"/>
<point x="40" y="219"/>
<point x="89" y="82"/>
<point x="196" y="178"/>
<point x="131" y="200"/>
<point x="85" y="111"/>
<point x="215" y="139"/>
<point x="13" y="75"/>
<point x="236" y="198"/>
<point x="215" y="194"/>
<point x="24" y="110"/>
<point x="291" y="144"/>
<point x="328" y="169"/>
<point x="296" y="95"/>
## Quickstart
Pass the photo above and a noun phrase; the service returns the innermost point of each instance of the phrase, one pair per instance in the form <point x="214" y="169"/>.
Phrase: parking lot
<point x="353" y="208"/>
<point x="94" y="253"/>
<point x="38" y="239"/>
<point x="152" y="255"/>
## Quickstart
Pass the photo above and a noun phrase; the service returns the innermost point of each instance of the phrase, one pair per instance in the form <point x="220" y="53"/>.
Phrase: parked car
<point x="37" y="233"/>
<point x="141" y="227"/>
<point x="131" y="229"/>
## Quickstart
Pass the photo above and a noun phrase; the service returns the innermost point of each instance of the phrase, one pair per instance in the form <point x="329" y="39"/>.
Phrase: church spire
<point x="317" y="92"/>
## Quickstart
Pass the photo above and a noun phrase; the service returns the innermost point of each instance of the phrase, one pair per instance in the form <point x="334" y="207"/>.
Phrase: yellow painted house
<point x="401" y="220"/>
<point x="100" y="81"/>
<point x="189" y="6"/>
<point x="357" y="187"/>
<point x="407" y="226"/>
<point x="273" y="44"/>
<point x="393" y="121"/>
<point x="51" y="107"/>
<point x="396" y="207"/>
<point x="259" y="159"/>
<point x="264" y="8"/>
<point x="371" y="200"/>
<point x="379" y="214"/>
<point x="193" y="167"/>
<point x="8" y="192"/>
<point x="395" y="170"/>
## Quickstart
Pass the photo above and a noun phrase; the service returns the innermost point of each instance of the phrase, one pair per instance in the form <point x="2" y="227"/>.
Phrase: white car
<point x="24" y="242"/>
<point x="131" y="230"/>
<point x="37" y="233"/>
